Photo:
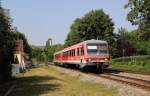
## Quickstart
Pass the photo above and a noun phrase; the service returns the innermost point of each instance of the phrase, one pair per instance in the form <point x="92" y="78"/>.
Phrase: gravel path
<point x="123" y="89"/>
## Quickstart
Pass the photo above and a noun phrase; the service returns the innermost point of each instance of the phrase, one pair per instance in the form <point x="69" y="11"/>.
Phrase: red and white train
<point x="86" y="53"/>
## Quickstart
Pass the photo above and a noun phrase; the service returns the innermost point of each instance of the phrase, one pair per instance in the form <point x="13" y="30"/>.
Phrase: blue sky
<point x="41" y="19"/>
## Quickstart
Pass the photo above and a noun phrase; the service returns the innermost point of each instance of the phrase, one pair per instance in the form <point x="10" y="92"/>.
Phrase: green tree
<point x="126" y="43"/>
<point x="73" y="36"/>
<point x="6" y="44"/>
<point x="52" y="49"/>
<point x="94" y="25"/>
<point x="131" y="42"/>
<point x="140" y="15"/>
<point x="37" y="54"/>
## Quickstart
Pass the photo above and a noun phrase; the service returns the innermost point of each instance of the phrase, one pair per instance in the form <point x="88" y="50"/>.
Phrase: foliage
<point x="94" y="25"/>
<point x="51" y="49"/>
<point x="140" y="15"/>
<point x="130" y="43"/>
<point x="132" y="63"/>
<point x="44" y="55"/>
<point x="38" y="55"/>
<point x="7" y="42"/>
<point x="130" y="58"/>
<point x="141" y="46"/>
<point x="73" y="36"/>
<point x="125" y="43"/>
<point x="6" y="45"/>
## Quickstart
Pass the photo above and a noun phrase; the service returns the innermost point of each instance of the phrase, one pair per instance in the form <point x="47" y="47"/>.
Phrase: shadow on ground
<point x="4" y="86"/>
<point x="93" y="69"/>
<point x="35" y="86"/>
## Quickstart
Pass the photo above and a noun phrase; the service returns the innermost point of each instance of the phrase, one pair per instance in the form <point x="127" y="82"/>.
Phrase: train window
<point x="69" y="52"/>
<point x="74" y="52"/>
<point x="78" y="51"/>
<point x="97" y="49"/>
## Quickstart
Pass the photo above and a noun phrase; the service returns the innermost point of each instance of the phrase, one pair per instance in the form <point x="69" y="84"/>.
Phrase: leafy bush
<point x="130" y="58"/>
<point x="133" y="63"/>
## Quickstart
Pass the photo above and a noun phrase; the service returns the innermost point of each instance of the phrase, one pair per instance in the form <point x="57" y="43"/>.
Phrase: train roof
<point x="92" y="41"/>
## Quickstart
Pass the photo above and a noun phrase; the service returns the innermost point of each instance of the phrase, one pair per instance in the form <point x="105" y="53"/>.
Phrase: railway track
<point x="144" y="84"/>
<point x="133" y="81"/>
<point x="126" y="71"/>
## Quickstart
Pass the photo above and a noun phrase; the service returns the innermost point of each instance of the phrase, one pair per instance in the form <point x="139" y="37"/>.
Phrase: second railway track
<point x="144" y="84"/>
<point x="133" y="81"/>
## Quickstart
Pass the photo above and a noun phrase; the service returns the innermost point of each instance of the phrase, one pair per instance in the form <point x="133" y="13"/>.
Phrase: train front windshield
<point x="99" y="49"/>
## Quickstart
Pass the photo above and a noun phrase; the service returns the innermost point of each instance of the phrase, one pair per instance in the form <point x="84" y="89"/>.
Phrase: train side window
<point x="69" y="52"/>
<point x="74" y="51"/>
<point x="64" y="54"/>
<point x="78" y="51"/>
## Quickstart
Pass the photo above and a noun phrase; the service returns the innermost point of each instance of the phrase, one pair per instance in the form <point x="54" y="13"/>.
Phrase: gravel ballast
<point x="123" y="89"/>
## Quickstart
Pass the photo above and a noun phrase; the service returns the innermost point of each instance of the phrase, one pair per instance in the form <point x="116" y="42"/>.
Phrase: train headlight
<point x="106" y="59"/>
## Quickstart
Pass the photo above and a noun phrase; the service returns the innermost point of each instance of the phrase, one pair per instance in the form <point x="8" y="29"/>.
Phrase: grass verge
<point x="45" y="81"/>
<point x="131" y="67"/>
<point x="132" y="63"/>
